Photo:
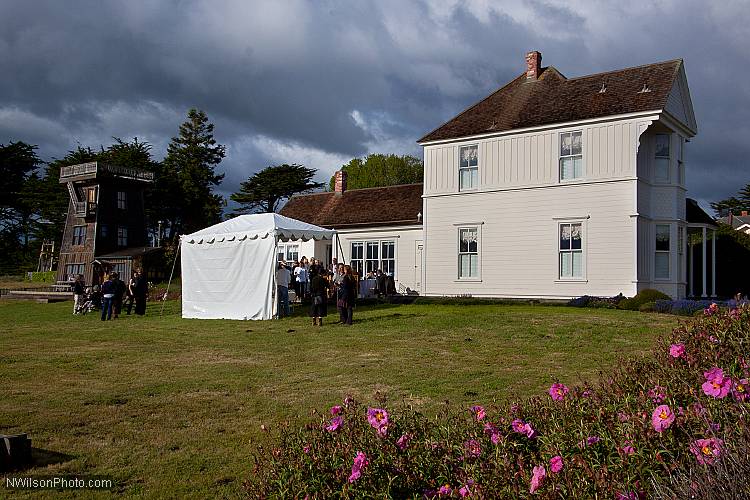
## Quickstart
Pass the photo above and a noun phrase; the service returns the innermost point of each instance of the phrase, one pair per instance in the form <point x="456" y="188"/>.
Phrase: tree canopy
<point x="735" y="204"/>
<point x="263" y="191"/>
<point x="377" y="170"/>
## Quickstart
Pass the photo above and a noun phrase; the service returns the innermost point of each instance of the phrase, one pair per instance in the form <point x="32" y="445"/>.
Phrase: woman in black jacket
<point x="347" y="294"/>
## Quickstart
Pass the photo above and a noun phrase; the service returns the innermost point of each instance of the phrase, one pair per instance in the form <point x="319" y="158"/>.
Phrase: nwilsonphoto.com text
<point x="59" y="483"/>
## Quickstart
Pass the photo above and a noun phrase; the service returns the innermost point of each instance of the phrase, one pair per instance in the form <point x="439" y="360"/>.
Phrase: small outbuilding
<point x="228" y="269"/>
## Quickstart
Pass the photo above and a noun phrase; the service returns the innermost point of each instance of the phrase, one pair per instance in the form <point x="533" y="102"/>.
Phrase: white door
<point x="418" y="267"/>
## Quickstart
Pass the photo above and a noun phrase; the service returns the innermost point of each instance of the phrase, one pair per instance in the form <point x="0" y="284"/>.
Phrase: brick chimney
<point x="744" y="213"/>
<point x="339" y="184"/>
<point x="533" y="65"/>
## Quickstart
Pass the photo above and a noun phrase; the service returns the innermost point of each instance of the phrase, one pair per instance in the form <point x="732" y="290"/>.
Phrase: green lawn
<point x="173" y="407"/>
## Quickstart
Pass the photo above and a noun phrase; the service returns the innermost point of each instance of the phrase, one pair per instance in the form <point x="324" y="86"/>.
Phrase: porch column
<point x="713" y="263"/>
<point x="703" y="242"/>
<point x="691" y="256"/>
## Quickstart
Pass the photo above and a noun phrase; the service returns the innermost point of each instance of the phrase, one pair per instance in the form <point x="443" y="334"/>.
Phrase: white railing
<point x="97" y="168"/>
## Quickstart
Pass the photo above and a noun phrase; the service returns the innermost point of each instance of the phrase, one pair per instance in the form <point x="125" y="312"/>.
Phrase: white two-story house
<point x="556" y="187"/>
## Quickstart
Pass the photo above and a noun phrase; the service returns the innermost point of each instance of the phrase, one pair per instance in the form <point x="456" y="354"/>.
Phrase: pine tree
<point x="264" y="190"/>
<point x="189" y="176"/>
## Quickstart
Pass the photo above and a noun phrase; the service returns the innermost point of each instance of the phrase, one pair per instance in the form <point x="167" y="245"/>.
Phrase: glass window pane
<point x="474" y="177"/>
<point x="565" y="144"/>
<point x="662" y="145"/>
<point x="564" y="236"/>
<point x="468" y="156"/>
<point x="662" y="237"/>
<point x="576" y="236"/>
<point x="576" y="143"/>
<point x="474" y="265"/>
<point x="565" y="265"/>
<point x="463" y="269"/>
<point x="661" y="169"/>
<point x="661" y="267"/>
<point x="577" y="264"/>
<point x="566" y="168"/>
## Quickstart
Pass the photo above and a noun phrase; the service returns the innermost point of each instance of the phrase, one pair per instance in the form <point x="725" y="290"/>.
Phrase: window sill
<point x="467" y="280"/>
<point x="571" y="280"/>
<point x="570" y="181"/>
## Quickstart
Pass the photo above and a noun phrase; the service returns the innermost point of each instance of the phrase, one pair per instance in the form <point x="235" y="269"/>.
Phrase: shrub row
<point x="650" y="426"/>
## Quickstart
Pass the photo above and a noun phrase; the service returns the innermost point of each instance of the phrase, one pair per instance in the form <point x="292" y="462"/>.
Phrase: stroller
<point x="92" y="300"/>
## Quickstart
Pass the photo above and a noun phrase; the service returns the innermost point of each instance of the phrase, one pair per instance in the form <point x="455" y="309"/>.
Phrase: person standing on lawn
<point x="319" y="296"/>
<point x="283" y="276"/>
<point x="140" y="292"/>
<point x="338" y="278"/>
<point x="130" y="294"/>
<point x="301" y="278"/>
<point x="108" y="295"/>
<point x="347" y="295"/>
<point x="78" y="290"/>
<point x="120" y="290"/>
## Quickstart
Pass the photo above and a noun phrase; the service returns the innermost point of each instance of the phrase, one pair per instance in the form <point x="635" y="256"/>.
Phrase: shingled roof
<point x="552" y="98"/>
<point x="381" y="206"/>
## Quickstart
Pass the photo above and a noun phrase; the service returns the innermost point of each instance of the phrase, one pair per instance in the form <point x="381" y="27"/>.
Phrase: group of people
<point x="113" y="295"/>
<point x="314" y="282"/>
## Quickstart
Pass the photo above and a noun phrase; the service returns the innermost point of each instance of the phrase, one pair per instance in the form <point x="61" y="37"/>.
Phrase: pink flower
<point x="529" y="431"/>
<point x="403" y="441"/>
<point x="517" y="425"/>
<point x="558" y="391"/>
<point x="478" y="412"/>
<point x="360" y="462"/>
<point x="306" y="448"/>
<point x="711" y="310"/>
<point x="445" y="490"/>
<point x="537" y="477"/>
<point x="382" y="431"/>
<point x="662" y="418"/>
<point x="707" y="451"/>
<point x="556" y="464"/>
<point x="716" y="384"/>
<point x="464" y="491"/>
<point x="627" y="449"/>
<point x="377" y="417"/>
<point x="592" y="440"/>
<point x="677" y="350"/>
<point x="623" y="417"/>
<point x="335" y="423"/>
<point x="472" y="448"/>
<point x="335" y="410"/>
<point x="739" y="389"/>
<point x="627" y="495"/>
<point x="495" y="438"/>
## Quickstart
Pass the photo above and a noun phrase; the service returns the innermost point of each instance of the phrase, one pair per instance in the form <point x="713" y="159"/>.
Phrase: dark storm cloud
<point x="320" y="82"/>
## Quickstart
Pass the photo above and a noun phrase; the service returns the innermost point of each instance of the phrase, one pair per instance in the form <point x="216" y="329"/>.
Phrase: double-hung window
<point x="468" y="168"/>
<point x="79" y="235"/>
<point x="122" y="200"/>
<point x="122" y="236"/>
<point x="372" y="259"/>
<point x="661" y="257"/>
<point x="292" y="253"/>
<point x="571" y="156"/>
<point x="571" y="251"/>
<point x="661" y="158"/>
<point x="468" y="253"/>
<point x="681" y="163"/>
<point x="357" y="258"/>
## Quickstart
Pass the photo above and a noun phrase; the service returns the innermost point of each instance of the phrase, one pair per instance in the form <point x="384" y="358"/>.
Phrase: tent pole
<point x="164" y="299"/>
<point x="341" y="250"/>
<point x="274" y="267"/>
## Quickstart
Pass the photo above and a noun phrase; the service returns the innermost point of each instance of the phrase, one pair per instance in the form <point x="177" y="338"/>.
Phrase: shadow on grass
<point x="387" y="317"/>
<point x="41" y="458"/>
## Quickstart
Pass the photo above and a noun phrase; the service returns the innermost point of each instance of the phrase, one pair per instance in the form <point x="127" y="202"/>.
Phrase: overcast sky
<point x="321" y="82"/>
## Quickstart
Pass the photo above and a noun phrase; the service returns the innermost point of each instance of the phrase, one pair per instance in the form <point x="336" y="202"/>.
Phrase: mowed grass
<point x="173" y="408"/>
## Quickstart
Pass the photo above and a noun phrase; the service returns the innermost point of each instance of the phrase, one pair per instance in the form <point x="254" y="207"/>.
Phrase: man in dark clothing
<point x="129" y="296"/>
<point x="119" y="292"/>
<point x="108" y="294"/>
<point x="140" y="291"/>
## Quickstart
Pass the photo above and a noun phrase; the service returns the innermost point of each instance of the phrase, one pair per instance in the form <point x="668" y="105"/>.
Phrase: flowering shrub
<point x="649" y="427"/>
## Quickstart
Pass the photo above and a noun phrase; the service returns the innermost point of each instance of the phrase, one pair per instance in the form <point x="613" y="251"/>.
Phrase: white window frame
<point x="681" y="162"/>
<point x="662" y="252"/>
<point x="391" y="260"/>
<point x="680" y="252"/>
<point x="79" y="235"/>
<point x="291" y="252"/>
<point x="459" y="253"/>
<point x="472" y="169"/>
<point x="561" y="157"/>
<point x="122" y="200"/>
<point x="122" y="236"/>
<point x="74" y="269"/>
<point x="559" y="251"/>
<point x="657" y="179"/>
<point x="362" y="263"/>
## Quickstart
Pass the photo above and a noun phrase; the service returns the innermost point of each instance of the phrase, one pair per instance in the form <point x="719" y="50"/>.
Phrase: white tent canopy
<point x="228" y="269"/>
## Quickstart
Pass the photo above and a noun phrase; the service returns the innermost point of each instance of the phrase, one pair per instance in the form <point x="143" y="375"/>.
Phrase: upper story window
<point x="571" y="155"/>
<point x="661" y="258"/>
<point x="468" y="252"/>
<point x="103" y="230"/>
<point x="571" y="251"/>
<point x="681" y="163"/>
<point x="661" y="158"/>
<point x="79" y="235"/>
<point x="122" y="200"/>
<point x="91" y="195"/>
<point x="122" y="236"/>
<point x="468" y="168"/>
